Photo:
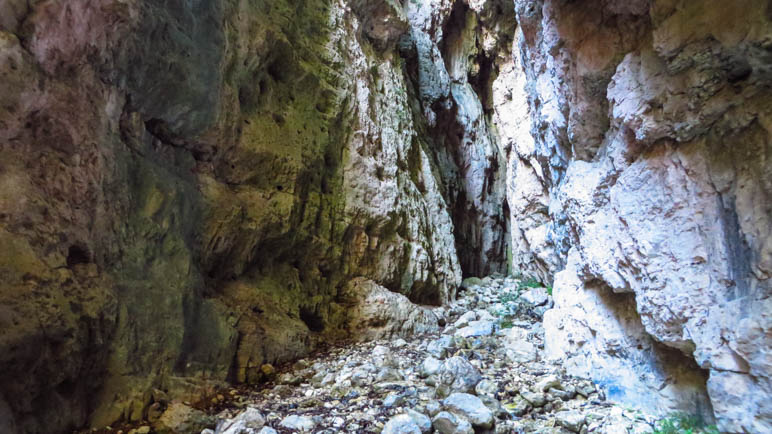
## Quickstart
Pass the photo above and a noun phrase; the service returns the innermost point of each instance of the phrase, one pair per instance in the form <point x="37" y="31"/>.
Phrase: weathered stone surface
<point x="185" y="186"/>
<point x="429" y="367"/>
<point x="180" y="418"/>
<point x="476" y="329"/>
<point x="536" y="296"/>
<point x="298" y="423"/>
<point x="457" y="375"/>
<point x="250" y="418"/>
<point x="650" y="131"/>
<point x="518" y="346"/>
<point x="423" y="421"/>
<point x="449" y="423"/>
<point x="383" y="21"/>
<point x="471" y="407"/>
<point x="536" y="399"/>
<point x="453" y="48"/>
<point x="401" y="424"/>
<point x="571" y="420"/>
<point x="379" y="313"/>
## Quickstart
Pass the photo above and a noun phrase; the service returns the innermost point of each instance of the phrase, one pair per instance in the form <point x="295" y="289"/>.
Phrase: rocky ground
<point x="483" y="372"/>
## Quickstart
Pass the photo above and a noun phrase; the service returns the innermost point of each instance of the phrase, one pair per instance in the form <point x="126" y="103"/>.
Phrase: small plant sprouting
<point x="508" y="297"/>
<point x="684" y="424"/>
<point x="528" y="283"/>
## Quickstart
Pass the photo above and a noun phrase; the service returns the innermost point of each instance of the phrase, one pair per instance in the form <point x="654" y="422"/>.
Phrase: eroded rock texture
<point x="187" y="187"/>
<point x="451" y="53"/>
<point x="649" y="180"/>
<point x="190" y="189"/>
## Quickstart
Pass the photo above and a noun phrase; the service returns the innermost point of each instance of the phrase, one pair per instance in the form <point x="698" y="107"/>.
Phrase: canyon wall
<point x="191" y="189"/>
<point x="187" y="187"/>
<point x="646" y="185"/>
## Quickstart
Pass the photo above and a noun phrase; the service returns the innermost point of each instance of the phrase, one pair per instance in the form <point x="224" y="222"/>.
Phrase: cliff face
<point x="187" y="187"/>
<point x="189" y="190"/>
<point x="648" y="183"/>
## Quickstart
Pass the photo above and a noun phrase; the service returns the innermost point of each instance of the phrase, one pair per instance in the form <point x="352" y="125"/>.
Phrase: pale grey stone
<point x="298" y="423"/>
<point x="401" y="424"/>
<point x="471" y="407"/>
<point x="571" y="420"/>
<point x="449" y="423"/>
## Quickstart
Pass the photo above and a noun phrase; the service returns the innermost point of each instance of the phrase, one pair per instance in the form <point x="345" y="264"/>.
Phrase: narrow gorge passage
<point x="483" y="372"/>
<point x="489" y="216"/>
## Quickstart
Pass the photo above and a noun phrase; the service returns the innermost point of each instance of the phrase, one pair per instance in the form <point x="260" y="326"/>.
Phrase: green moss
<point x="17" y="259"/>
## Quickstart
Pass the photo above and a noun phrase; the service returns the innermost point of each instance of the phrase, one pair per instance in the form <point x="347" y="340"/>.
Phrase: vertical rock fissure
<point x="471" y="162"/>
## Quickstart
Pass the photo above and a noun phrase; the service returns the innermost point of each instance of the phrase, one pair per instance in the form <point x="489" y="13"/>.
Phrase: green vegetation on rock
<point x="681" y="423"/>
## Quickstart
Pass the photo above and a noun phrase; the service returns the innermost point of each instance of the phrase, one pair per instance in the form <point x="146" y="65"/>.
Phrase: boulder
<point x="430" y="366"/>
<point x="448" y="423"/>
<point x="457" y="375"/>
<point x="471" y="407"/>
<point x="298" y="423"/>
<point x="379" y="313"/>
<point x="401" y="424"/>
<point x="423" y="421"/>
<point x="570" y="420"/>
<point x="251" y="419"/>
<point x="536" y="296"/>
<point x="476" y="329"/>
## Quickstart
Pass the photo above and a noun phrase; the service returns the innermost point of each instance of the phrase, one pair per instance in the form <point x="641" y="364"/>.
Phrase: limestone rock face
<point x="378" y="313"/>
<point x="647" y="181"/>
<point x="452" y="53"/>
<point x="185" y="188"/>
<point x="383" y="21"/>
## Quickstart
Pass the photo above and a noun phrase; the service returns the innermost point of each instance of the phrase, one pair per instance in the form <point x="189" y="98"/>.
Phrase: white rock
<point x="393" y="313"/>
<point x="518" y="347"/>
<point x="457" y="375"/>
<point x="298" y="423"/>
<point x="449" y="423"/>
<point x="471" y="407"/>
<point x="465" y="319"/>
<point x="401" y="424"/>
<point x="476" y="329"/>
<point x="549" y="381"/>
<point x="251" y="418"/>
<point x="536" y="399"/>
<point x="571" y="420"/>
<point x="423" y="421"/>
<point x="429" y="366"/>
<point x="486" y="387"/>
<point x="536" y="296"/>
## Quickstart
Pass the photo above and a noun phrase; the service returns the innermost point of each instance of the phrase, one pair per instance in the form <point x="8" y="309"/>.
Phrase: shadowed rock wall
<point x="452" y="53"/>
<point x="187" y="187"/>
